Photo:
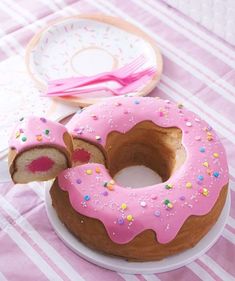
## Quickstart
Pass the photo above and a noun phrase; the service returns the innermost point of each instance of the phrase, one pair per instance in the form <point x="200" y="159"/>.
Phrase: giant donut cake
<point x="152" y="222"/>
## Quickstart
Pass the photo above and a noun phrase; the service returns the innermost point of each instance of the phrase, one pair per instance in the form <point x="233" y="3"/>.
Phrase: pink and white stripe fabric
<point x="198" y="71"/>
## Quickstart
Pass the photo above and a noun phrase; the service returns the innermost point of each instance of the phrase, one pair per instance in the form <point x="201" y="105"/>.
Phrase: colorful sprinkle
<point x="43" y="119"/>
<point x="180" y="105"/>
<point x="47" y="132"/>
<point x="110" y="184"/>
<point x="105" y="193"/>
<point x="168" y="186"/>
<point x="123" y="206"/>
<point x="216" y="155"/>
<point x="24" y="139"/>
<point x="136" y="102"/>
<point x="105" y="184"/>
<point x="166" y="201"/>
<point x="129" y="217"/>
<point x="197" y="138"/>
<point x="94" y="117"/>
<point x="157" y="213"/>
<point x="204" y="191"/>
<point x="208" y="172"/>
<point x="39" y="137"/>
<point x="188" y="124"/>
<point x="97" y="170"/>
<point x="209" y="138"/>
<point x="188" y="184"/>
<point x="98" y="138"/>
<point x="200" y="177"/>
<point x="89" y="172"/>
<point x="205" y="164"/>
<point x="202" y="149"/>
<point x="216" y="174"/>
<point x="161" y="114"/>
<point x="170" y="205"/>
<point x="87" y="197"/>
<point x="182" y="198"/>
<point x="17" y="134"/>
<point x="78" y="181"/>
<point x="110" y="187"/>
<point x="120" y="221"/>
<point x="143" y="204"/>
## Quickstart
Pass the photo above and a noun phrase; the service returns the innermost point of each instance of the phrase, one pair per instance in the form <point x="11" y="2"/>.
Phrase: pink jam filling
<point x="41" y="164"/>
<point x="81" y="155"/>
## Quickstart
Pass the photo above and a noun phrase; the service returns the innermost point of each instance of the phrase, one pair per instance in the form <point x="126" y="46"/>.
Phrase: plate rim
<point x="130" y="267"/>
<point x="115" y="21"/>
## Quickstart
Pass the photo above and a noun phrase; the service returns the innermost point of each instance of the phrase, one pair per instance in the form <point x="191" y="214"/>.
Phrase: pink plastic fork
<point x="118" y="91"/>
<point x="116" y="75"/>
<point x="124" y="82"/>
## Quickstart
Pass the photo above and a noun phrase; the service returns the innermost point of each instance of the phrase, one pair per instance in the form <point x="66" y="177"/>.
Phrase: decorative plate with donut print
<point x="87" y="45"/>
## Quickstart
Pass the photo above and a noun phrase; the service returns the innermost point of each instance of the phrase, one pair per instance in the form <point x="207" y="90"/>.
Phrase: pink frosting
<point x="164" y="207"/>
<point x="36" y="131"/>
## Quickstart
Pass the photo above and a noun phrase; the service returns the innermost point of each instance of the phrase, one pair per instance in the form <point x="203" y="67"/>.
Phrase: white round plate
<point x="87" y="45"/>
<point x="4" y="174"/>
<point x="121" y="265"/>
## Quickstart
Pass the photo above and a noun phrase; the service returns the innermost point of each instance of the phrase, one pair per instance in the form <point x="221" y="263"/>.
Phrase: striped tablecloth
<point x="198" y="71"/>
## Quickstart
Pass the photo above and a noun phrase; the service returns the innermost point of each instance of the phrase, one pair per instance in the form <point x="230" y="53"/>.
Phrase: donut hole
<point x="137" y="177"/>
<point x="146" y="144"/>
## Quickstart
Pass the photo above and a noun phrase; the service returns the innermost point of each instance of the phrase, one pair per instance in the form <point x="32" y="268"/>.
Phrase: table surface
<point x="198" y="71"/>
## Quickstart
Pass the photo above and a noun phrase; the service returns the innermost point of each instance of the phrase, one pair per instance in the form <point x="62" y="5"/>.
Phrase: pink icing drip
<point x="41" y="164"/>
<point x="90" y="197"/>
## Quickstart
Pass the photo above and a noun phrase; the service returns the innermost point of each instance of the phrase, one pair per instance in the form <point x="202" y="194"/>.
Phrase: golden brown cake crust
<point x="144" y="247"/>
